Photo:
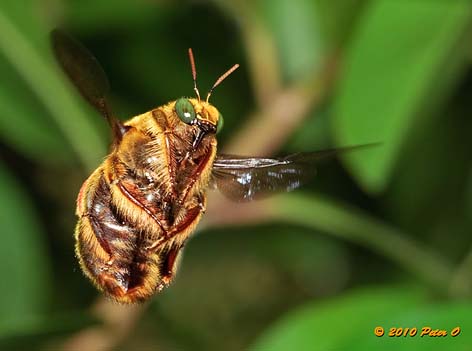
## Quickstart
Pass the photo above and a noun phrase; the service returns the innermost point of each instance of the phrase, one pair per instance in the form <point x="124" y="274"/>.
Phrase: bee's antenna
<point x="194" y="72"/>
<point x="222" y="78"/>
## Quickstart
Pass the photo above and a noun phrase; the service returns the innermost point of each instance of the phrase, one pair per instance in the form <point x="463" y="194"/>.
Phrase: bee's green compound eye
<point x="221" y="123"/>
<point x="185" y="110"/>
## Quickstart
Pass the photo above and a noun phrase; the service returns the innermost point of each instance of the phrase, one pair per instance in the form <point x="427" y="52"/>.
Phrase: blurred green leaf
<point x="338" y="324"/>
<point x="25" y="263"/>
<point x="336" y="19"/>
<point x="26" y="17"/>
<point x="420" y="205"/>
<point x="348" y="322"/>
<point x="315" y="134"/>
<point x="390" y="71"/>
<point x="24" y="122"/>
<point x="30" y="56"/>
<point x="297" y="33"/>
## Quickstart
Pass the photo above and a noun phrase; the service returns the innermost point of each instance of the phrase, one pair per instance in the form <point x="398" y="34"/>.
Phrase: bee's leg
<point x="170" y="264"/>
<point x="190" y="218"/>
<point x="156" y="244"/>
<point x="194" y="177"/>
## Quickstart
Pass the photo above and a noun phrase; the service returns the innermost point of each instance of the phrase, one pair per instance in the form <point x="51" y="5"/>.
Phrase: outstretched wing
<point x="251" y="178"/>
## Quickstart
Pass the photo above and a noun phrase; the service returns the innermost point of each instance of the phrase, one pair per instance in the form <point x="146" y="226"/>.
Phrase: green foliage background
<point x="381" y="238"/>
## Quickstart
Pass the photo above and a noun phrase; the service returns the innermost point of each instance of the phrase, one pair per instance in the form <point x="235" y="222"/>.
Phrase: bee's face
<point x="199" y="113"/>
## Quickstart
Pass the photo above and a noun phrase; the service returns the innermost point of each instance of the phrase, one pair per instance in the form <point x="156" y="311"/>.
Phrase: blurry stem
<point x="347" y="223"/>
<point x="283" y="115"/>
<point x="281" y="109"/>
<point x="262" y="59"/>
<point x="44" y="81"/>
<point x="118" y="322"/>
<point x="461" y="282"/>
<point x="353" y="225"/>
<point x="461" y="285"/>
<point x="261" y="51"/>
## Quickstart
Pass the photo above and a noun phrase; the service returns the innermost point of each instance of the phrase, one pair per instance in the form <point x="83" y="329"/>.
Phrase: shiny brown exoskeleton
<point x="139" y="207"/>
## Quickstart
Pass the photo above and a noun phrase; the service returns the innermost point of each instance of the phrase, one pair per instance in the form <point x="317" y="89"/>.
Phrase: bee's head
<point x="203" y="116"/>
<point x="198" y="112"/>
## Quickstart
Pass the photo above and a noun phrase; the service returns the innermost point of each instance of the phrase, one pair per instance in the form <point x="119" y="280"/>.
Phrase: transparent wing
<point x="251" y="178"/>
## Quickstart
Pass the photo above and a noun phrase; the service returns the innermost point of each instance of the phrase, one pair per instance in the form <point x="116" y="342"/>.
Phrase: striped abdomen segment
<point x="112" y="248"/>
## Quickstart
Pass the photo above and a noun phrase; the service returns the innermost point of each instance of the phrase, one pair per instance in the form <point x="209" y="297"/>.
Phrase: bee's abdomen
<point x="112" y="249"/>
